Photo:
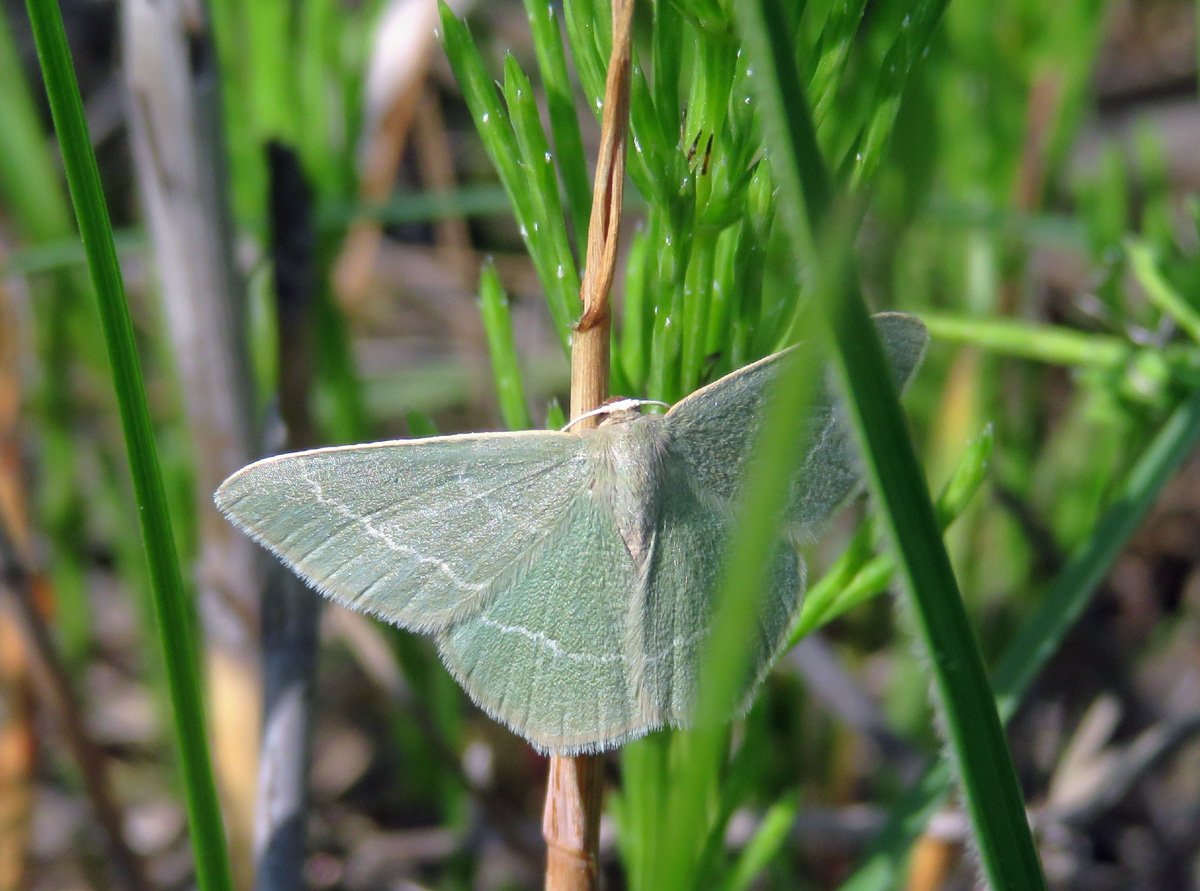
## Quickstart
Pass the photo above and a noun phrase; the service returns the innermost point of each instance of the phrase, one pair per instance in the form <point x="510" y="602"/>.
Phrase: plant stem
<point x="571" y="823"/>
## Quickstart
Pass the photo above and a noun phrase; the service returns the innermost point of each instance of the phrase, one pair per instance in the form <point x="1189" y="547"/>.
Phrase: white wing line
<point x="549" y="642"/>
<point x="558" y="649"/>
<point x="374" y="532"/>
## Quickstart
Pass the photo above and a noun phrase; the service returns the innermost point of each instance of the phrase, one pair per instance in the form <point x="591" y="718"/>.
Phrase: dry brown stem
<point x="571" y="823"/>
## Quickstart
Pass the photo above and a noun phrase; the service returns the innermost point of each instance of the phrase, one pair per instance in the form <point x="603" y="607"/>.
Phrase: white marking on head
<point x="614" y="407"/>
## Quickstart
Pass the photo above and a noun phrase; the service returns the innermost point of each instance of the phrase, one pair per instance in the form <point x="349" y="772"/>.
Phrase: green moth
<point x="568" y="578"/>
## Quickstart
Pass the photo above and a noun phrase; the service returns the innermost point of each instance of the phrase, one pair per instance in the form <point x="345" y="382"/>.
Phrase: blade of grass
<point x="1040" y="636"/>
<point x="989" y="783"/>
<point x="1042" y="343"/>
<point x="551" y="258"/>
<point x="564" y="124"/>
<point x="64" y="252"/>
<point x="171" y="606"/>
<point x="765" y="844"/>
<point x="856" y="576"/>
<point x="419" y="207"/>
<point x="1160" y="291"/>
<point x="506" y="371"/>
<point x="538" y="165"/>
<point x="722" y="668"/>
<point x="917" y="23"/>
<point x="636" y="323"/>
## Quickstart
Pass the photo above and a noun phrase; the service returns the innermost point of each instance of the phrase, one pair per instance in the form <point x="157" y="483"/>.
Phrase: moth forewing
<point x="413" y="531"/>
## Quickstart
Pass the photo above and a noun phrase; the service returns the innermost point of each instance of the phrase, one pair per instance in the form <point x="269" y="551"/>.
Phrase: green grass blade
<point x="856" y="576"/>
<point x="1160" y="291"/>
<point x="917" y="23"/>
<point x="1026" y="340"/>
<point x="171" y="606"/>
<point x="702" y="750"/>
<point x="560" y="277"/>
<point x="564" y="124"/>
<point x="1064" y="602"/>
<point x="776" y="824"/>
<point x="552" y="260"/>
<point x="636" y="322"/>
<point x="1040" y="635"/>
<point x="29" y="183"/>
<point x="589" y="50"/>
<point x="985" y="766"/>
<point x="497" y="325"/>
<point x="989" y="783"/>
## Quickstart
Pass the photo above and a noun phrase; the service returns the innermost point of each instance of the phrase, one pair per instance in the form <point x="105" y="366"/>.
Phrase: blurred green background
<point x="406" y="260"/>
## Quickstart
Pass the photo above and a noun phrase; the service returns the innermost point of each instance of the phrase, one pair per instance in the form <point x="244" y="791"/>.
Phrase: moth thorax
<point x="634" y="472"/>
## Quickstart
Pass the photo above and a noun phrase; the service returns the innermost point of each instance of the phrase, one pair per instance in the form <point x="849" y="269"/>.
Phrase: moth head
<point x="616" y="410"/>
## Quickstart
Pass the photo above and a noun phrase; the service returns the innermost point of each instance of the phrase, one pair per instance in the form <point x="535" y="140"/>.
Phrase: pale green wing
<point x="830" y="471"/>
<point x="713" y="430"/>
<point x="414" y="531"/>
<point x="671" y="621"/>
<point x="546" y="655"/>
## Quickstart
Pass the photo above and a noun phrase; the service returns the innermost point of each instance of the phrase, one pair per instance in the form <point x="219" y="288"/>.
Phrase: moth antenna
<point x="618" y="405"/>
<point x="691" y="152"/>
<point x="707" y="155"/>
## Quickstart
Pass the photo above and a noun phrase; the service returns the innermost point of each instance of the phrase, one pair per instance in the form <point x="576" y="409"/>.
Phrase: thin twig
<point x="571" y="822"/>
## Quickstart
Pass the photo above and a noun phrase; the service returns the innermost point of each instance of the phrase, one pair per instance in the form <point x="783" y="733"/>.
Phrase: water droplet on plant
<point x="486" y="117"/>
<point x="524" y="231"/>
<point x="562" y="273"/>
<point x="549" y="159"/>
